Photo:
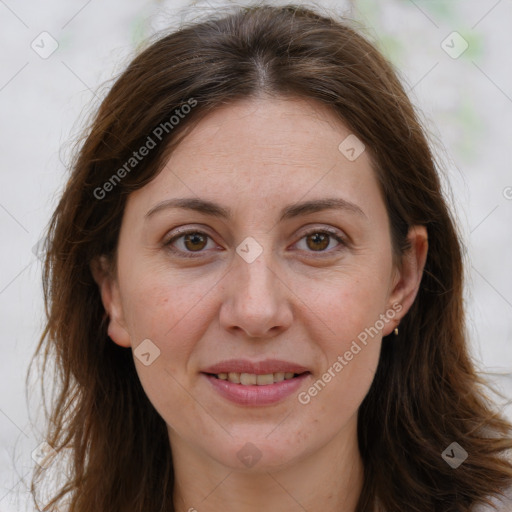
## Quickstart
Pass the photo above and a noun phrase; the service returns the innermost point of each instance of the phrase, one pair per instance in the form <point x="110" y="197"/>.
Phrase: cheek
<point x="352" y="352"/>
<point x="164" y="304"/>
<point x="170" y="311"/>
<point x="350" y="356"/>
<point x="348" y="303"/>
<point x="349" y="316"/>
<point x="167" y="312"/>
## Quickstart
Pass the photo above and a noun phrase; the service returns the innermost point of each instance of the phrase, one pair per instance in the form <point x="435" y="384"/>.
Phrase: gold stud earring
<point x="396" y="331"/>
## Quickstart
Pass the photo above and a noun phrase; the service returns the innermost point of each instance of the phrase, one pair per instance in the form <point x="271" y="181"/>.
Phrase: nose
<point x="256" y="299"/>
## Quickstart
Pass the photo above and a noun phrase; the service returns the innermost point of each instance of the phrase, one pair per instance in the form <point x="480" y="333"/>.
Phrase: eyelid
<point x="323" y="229"/>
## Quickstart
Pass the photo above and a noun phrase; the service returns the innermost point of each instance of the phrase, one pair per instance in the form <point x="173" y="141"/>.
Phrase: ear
<point x="111" y="298"/>
<point x="408" y="277"/>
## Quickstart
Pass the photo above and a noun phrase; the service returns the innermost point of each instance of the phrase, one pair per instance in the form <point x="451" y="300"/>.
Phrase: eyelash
<point x="188" y="254"/>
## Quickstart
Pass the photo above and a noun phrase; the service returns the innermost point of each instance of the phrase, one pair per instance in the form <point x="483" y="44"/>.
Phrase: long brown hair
<point x="426" y="393"/>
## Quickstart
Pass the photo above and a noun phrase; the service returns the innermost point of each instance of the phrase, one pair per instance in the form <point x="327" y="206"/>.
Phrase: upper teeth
<point x="251" y="379"/>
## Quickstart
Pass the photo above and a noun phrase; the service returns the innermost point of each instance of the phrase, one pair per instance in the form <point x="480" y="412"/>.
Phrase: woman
<point x="254" y="288"/>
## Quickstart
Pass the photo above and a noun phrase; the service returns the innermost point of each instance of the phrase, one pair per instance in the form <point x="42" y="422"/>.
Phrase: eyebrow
<point x="288" y="212"/>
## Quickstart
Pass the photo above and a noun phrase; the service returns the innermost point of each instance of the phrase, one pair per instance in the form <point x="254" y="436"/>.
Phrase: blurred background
<point x="56" y="60"/>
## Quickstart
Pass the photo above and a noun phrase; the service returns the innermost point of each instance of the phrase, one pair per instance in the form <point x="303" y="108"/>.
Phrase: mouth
<point x="255" y="383"/>
<point x="253" y="379"/>
<point x="250" y="383"/>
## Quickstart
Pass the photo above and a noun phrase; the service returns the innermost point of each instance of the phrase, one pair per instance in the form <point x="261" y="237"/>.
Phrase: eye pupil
<point x="193" y="237"/>
<point x="321" y="238"/>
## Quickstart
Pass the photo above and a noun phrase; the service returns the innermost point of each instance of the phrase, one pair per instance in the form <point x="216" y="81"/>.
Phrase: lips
<point x="256" y="383"/>
<point x="251" y="379"/>
<point x="268" y="366"/>
<point x="256" y="395"/>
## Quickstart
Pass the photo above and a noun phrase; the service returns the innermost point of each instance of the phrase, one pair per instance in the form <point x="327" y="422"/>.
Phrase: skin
<point x="300" y="301"/>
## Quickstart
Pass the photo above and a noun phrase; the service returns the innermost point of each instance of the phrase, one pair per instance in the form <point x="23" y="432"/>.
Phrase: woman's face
<point x="272" y="282"/>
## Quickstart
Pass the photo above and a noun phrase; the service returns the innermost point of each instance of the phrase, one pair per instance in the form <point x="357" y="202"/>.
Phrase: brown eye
<point x="187" y="243"/>
<point x="194" y="241"/>
<point x="319" y="240"/>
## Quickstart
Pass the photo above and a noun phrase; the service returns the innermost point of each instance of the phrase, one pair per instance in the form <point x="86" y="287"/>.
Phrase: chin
<point x="258" y="453"/>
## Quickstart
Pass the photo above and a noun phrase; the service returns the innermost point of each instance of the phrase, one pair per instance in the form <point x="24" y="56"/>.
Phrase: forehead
<point x="290" y="131"/>
<point x="271" y="150"/>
